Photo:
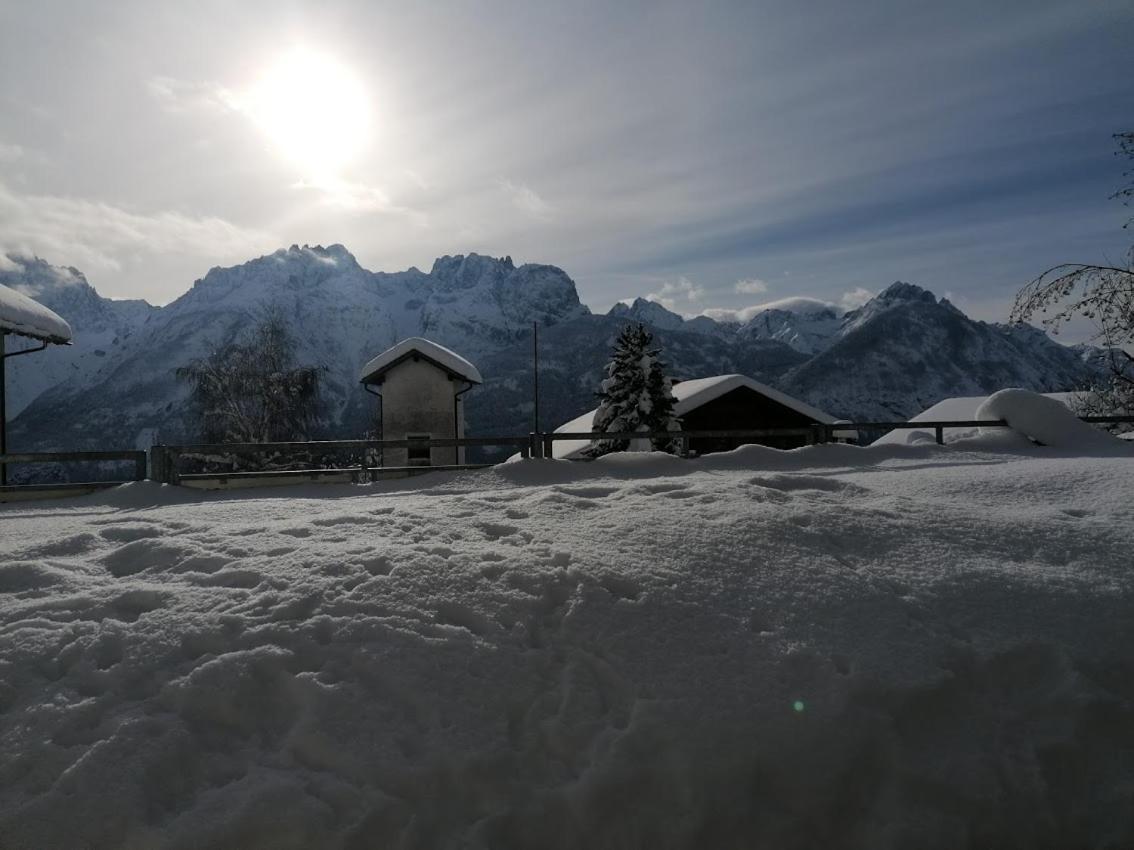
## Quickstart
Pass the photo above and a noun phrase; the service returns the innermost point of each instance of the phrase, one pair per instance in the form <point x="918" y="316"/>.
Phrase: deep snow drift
<point x="892" y="647"/>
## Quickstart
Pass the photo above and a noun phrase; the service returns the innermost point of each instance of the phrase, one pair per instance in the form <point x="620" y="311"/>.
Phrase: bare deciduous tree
<point x="1104" y="294"/>
<point x="251" y="391"/>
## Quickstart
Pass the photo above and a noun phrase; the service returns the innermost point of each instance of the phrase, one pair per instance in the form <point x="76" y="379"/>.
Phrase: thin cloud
<point x="855" y="298"/>
<point x="672" y="293"/>
<point x="96" y="235"/>
<point x="525" y="198"/>
<point x="795" y="304"/>
<point x="182" y="95"/>
<point x="750" y="286"/>
<point x="350" y="196"/>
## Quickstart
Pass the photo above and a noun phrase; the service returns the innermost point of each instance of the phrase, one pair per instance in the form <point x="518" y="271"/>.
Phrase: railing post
<point x="548" y="447"/>
<point x="939" y="433"/>
<point x="526" y="449"/>
<point x="171" y="458"/>
<point x="363" y="468"/>
<point x="157" y="463"/>
<point x="140" y="466"/>
<point x="683" y="443"/>
<point x="533" y="444"/>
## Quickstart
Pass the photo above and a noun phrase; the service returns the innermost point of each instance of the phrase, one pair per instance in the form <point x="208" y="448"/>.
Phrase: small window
<point x="418" y="455"/>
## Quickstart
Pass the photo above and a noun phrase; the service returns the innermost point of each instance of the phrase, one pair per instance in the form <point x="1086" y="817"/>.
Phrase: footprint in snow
<point x="129" y="533"/>
<point x="77" y="544"/>
<point x="346" y="519"/>
<point x="494" y="531"/>
<point x="1077" y="513"/>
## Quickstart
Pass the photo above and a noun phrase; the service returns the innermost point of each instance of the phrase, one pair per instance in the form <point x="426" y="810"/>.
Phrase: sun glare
<point x="314" y="110"/>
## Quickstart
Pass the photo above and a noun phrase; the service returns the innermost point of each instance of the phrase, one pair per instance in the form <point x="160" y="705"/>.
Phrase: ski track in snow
<point x="838" y="647"/>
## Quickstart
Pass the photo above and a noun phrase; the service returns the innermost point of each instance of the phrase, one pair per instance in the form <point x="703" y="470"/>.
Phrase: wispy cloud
<point x="855" y="298"/>
<point x="351" y="196"/>
<point x="176" y="95"/>
<point x="675" y="295"/>
<point x="97" y="236"/>
<point x="798" y="304"/>
<point x="10" y="153"/>
<point x="750" y="286"/>
<point x="525" y="198"/>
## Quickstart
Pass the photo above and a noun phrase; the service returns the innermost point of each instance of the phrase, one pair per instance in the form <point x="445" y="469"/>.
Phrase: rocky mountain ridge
<point x="895" y="355"/>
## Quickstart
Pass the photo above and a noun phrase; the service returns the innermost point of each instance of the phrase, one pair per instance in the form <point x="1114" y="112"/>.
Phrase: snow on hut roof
<point x="690" y="395"/>
<point x="439" y="355"/>
<point x="958" y="409"/>
<point x="25" y="317"/>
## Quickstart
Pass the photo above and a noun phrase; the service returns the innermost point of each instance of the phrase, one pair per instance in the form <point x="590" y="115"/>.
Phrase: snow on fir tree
<point x="636" y="395"/>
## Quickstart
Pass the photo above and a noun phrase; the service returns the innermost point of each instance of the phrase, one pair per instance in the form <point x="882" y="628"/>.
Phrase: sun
<point x="314" y="110"/>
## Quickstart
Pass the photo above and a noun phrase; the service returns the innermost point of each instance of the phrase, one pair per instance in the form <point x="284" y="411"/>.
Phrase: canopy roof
<point x="415" y="346"/>
<point x="25" y="317"/>
<point x="690" y="395"/>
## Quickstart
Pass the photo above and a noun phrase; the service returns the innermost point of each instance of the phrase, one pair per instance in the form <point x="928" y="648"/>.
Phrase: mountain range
<point x="116" y="387"/>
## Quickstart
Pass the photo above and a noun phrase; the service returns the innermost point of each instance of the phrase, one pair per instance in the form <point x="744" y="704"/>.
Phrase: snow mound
<point x="1045" y="420"/>
<point x="835" y="646"/>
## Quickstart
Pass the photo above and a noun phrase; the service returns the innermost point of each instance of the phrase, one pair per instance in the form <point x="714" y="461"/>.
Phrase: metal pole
<point x="3" y="409"/>
<point x="535" y="375"/>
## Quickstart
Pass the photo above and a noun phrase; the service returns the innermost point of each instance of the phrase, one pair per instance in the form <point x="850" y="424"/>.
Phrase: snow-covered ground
<point x="890" y="647"/>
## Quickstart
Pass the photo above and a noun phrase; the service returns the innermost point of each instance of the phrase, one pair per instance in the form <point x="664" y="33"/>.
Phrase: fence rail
<point x="166" y="459"/>
<point x="163" y="461"/>
<point x="138" y="458"/>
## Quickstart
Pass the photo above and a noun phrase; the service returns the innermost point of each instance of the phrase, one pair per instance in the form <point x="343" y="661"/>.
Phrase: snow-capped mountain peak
<point x="101" y="326"/>
<point x="894" y="356"/>
<point x="648" y="312"/>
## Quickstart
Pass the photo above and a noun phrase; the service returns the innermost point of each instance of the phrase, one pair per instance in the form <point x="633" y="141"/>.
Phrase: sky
<point x="710" y="156"/>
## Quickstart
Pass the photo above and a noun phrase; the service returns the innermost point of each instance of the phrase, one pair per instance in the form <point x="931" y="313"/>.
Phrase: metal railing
<point x="816" y="434"/>
<point x="164" y="462"/>
<point x="137" y="458"/>
<point x="166" y="459"/>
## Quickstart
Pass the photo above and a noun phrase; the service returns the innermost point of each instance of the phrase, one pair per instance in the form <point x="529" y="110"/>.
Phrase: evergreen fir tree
<point x="636" y="395"/>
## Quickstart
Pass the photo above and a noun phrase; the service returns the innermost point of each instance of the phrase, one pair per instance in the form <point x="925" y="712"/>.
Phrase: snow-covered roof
<point x="690" y="395"/>
<point x="25" y="317"/>
<point x="959" y="409"/>
<point x="448" y="360"/>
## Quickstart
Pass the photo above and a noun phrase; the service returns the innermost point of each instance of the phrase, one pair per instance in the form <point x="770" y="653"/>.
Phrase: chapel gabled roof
<point x="438" y="355"/>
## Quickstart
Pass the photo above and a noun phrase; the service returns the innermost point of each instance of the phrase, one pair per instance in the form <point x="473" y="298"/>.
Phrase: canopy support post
<point x="3" y="409"/>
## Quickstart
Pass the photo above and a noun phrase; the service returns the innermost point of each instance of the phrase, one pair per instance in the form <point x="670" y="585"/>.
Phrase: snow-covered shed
<point x="420" y="384"/>
<point x="724" y="402"/>
<point x="21" y="316"/>
<point x="958" y="409"/>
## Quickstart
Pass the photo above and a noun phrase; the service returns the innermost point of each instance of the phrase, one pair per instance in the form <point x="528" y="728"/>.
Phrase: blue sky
<point x="714" y="155"/>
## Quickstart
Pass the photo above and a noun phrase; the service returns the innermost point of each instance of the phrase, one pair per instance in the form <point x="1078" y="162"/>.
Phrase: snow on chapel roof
<point x="25" y="317"/>
<point x="690" y="395"/>
<point x="448" y="360"/>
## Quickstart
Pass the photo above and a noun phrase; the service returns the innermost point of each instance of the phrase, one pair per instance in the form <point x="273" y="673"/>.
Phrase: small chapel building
<point x="420" y="385"/>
